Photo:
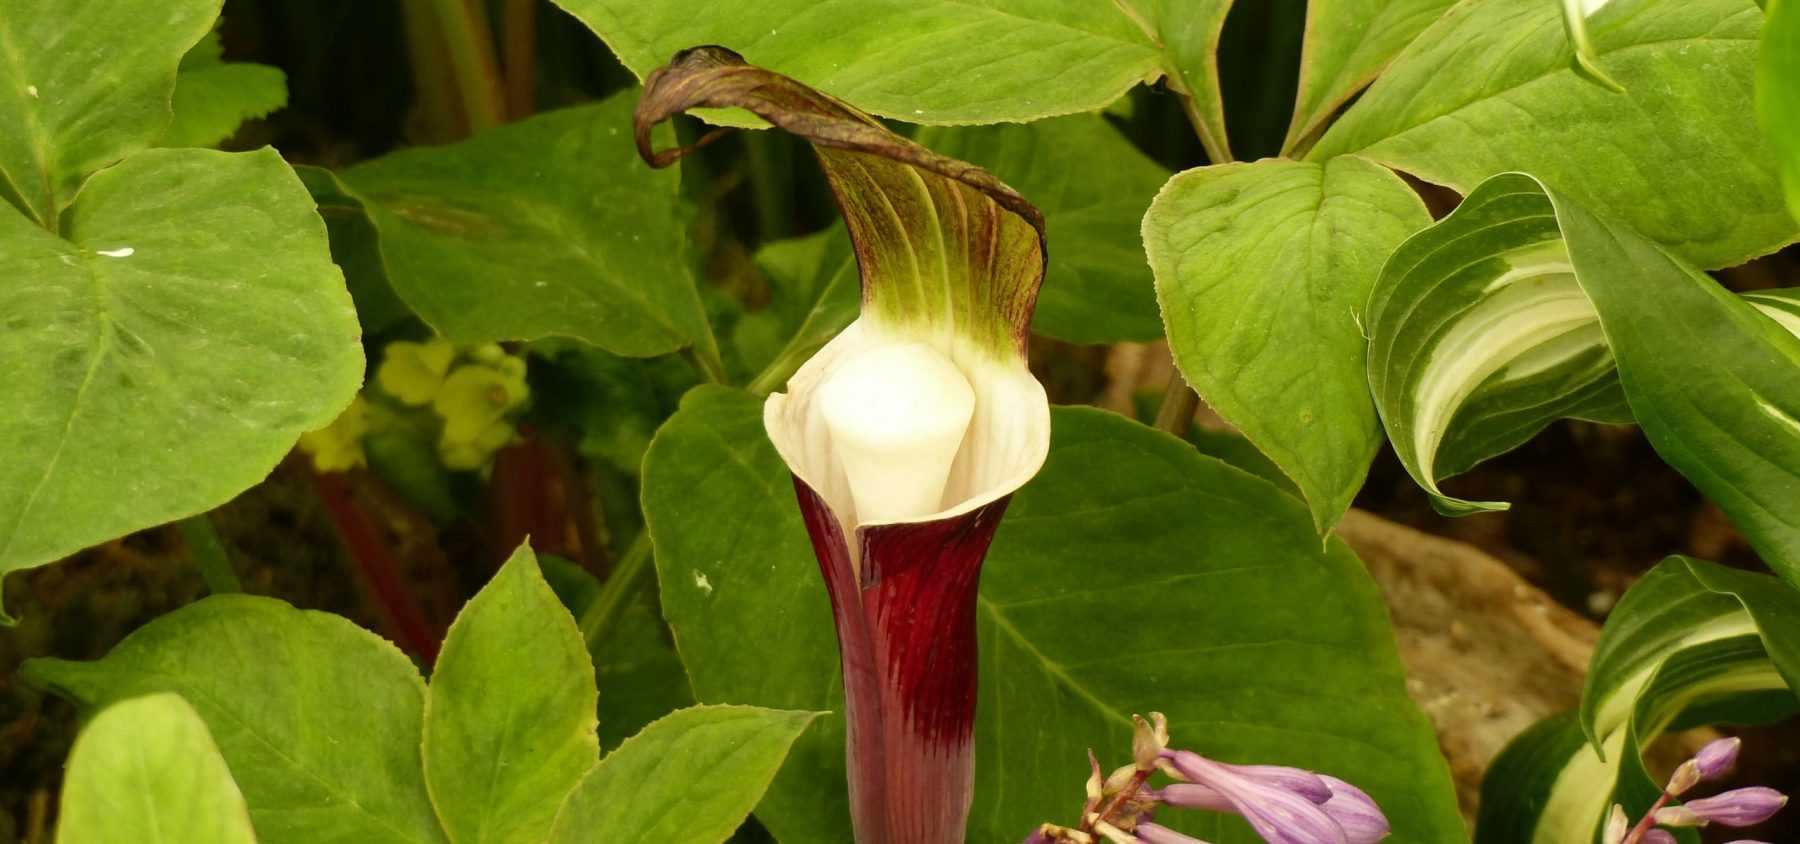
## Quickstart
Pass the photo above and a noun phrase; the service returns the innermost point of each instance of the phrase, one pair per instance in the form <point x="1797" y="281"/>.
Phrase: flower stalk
<point x="906" y="435"/>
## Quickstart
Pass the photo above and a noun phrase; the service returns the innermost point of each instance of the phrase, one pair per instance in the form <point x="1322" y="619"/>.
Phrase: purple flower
<point x="1268" y="797"/>
<point x="1717" y="757"/>
<point x="1355" y="811"/>
<point x="1658" y="836"/>
<point x="1738" y="807"/>
<point x="1151" y="833"/>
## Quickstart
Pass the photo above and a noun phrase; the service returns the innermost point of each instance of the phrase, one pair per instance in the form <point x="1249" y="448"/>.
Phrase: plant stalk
<point x="472" y="62"/>
<point x="208" y="554"/>
<point x="518" y="54"/>
<point x="377" y="563"/>
<point x="618" y="590"/>
<point x="1179" y="405"/>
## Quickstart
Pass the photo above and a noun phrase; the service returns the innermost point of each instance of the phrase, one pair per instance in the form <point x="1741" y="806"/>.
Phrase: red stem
<point x="1637" y="832"/>
<point x="378" y="566"/>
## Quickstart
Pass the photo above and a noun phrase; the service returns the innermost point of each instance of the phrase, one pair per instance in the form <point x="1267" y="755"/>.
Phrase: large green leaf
<point x="1260" y="643"/>
<point x="510" y="715"/>
<point x="1098" y="289"/>
<point x="1261" y="270"/>
<point x="1691" y="643"/>
<point x="940" y="62"/>
<point x="145" y="771"/>
<point x="690" y="777"/>
<point x="547" y="227"/>
<point x="1347" y="43"/>
<point x="1778" y="91"/>
<point x="1189" y="32"/>
<point x="1490" y="87"/>
<point x="213" y="97"/>
<point x="84" y="83"/>
<point x="1482" y="329"/>
<point x="319" y="719"/>
<point x="816" y="293"/>
<point x="164" y="352"/>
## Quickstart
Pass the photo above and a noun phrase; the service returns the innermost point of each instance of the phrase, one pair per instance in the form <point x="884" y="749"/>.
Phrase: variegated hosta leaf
<point x="1521" y="307"/>
<point x="1692" y="643"/>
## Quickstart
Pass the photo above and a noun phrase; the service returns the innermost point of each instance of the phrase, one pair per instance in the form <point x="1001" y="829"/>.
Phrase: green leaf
<point x="1261" y="270"/>
<point x="1098" y="290"/>
<point x="941" y="62"/>
<point x="1349" y="42"/>
<point x="635" y="664"/>
<point x="1490" y="87"/>
<point x="1691" y="643"/>
<point x="1213" y="640"/>
<point x="1501" y="302"/>
<point x="355" y="248"/>
<point x="145" y="771"/>
<point x="84" y="83"/>
<point x="510" y="714"/>
<point x="691" y="777"/>
<point x="1778" y="91"/>
<point x="166" y="351"/>
<point x="1189" y="32"/>
<point x="816" y="294"/>
<point x="319" y="719"/>
<point x="546" y="227"/>
<point x="213" y="97"/>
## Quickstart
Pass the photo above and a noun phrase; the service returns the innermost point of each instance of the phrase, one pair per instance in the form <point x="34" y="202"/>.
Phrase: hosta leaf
<point x="510" y="714"/>
<point x="213" y="97"/>
<point x="145" y="771"/>
<point x="164" y="352"/>
<point x="692" y="776"/>
<point x="1778" y="91"/>
<point x="1347" y="43"/>
<point x="1490" y="87"/>
<point x="936" y="62"/>
<point x="1499" y="318"/>
<point x="83" y="83"/>
<point x="1691" y="643"/>
<point x="1098" y="289"/>
<point x="547" y="227"/>
<point x="1212" y="641"/>
<point x="1261" y="269"/>
<point x="318" y="718"/>
<point x="1189" y="32"/>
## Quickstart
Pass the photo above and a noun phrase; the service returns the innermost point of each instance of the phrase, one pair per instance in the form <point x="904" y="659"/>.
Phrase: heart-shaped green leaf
<point x="166" y="350"/>
<point x="941" y="62"/>
<point x="692" y="776"/>
<point x="84" y="83"/>
<point x="510" y="715"/>
<point x="1678" y="156"/>
<point x="1514" y="311"/>
<point x="319" y="719"/>
<point x="1691" y="643"/>
<point x="1132" y="575"/>
<point x="1261" y="270"/>
<point x="213" y="97"/>
<point x="546" y="227"/>
<point x="145" y="771"/>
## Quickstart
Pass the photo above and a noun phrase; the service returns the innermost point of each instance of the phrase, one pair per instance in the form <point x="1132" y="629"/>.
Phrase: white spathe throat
<point x="897" y="413"/>
<point x="889" y="427"/>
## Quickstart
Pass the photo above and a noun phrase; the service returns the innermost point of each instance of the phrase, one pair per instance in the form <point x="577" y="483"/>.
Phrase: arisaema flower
<point x="906" y="434"/>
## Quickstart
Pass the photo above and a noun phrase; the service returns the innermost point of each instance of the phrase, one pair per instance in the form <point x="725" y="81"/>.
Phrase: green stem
<point x="771" y="182"/>
<point x="209" y="556"/>
<point x="618" y="590"/>
<point x="704" y="357"/>
<point x="1179" y="404"/>
<point x="472" y="62"/>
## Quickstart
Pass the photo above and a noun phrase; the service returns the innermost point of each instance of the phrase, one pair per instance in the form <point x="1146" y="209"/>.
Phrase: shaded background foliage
<point x="1601" y="506"/>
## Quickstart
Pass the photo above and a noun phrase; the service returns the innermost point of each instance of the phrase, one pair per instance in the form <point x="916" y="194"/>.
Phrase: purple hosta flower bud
<point x="1269" y="798"/>
<point x="1738" y="807"/>
<point x="1041" y="835"/>
<point x="1150" y="833"/>
<point x="1617" y="824"/>
<point x="1717" y="757"/>
<point x="1658" y="836"/>
<point x="1355" y="811"/>
<point x="1149" y="739"/>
